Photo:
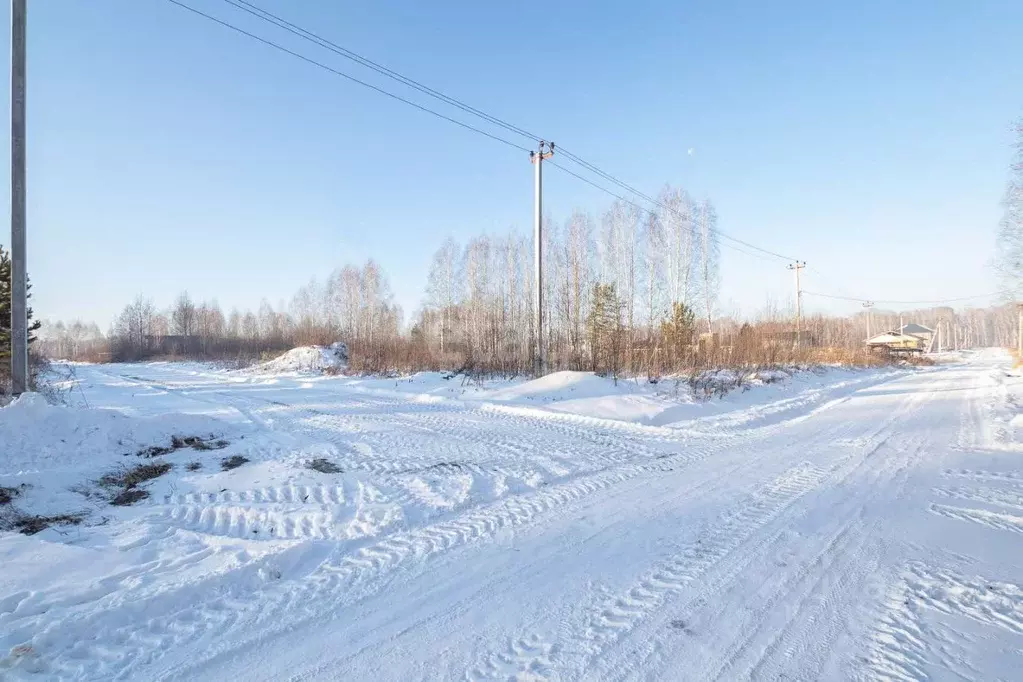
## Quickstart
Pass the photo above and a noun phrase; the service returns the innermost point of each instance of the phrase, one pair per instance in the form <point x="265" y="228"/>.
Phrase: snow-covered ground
<point x="834" y="525"/>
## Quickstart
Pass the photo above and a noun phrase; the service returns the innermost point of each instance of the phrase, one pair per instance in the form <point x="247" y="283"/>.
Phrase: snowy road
<point x="870" y="531"/>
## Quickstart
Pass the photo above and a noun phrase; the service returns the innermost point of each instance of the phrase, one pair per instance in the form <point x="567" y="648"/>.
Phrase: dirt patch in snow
<point x="7" y="494"/>
<point x="232" y="462"/>
<point x="30" y="525"/>
<point x="124" y="484"/>
<point x="181" y="442"/>
<point x="324" y="466"/>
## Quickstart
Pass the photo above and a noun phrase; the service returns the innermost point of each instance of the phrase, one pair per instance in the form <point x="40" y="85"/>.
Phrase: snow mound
<point x="586" y="394"/>
<point x="38" y="436"/>
<point x="562" y="385"/>
<point x="307" y="359"/>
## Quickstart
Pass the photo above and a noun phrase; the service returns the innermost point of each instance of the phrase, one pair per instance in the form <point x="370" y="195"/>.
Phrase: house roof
<point x="892" y="337"/>
<point x="913" y="328"/>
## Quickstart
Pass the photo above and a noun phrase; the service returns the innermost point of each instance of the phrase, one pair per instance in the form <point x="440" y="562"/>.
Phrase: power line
<point x="829" y="283"/>
<point x="316" y="39"/>
<point x="843" y="295"/>
<point x="879" y="300"/>
<point x="308" y="35"/>
<point x="640" y="208"/>
<point x="342" y="74"/>
<point x="662" y="205"/>
<point x="634" y="204"/>
<point x="319" y="40"/>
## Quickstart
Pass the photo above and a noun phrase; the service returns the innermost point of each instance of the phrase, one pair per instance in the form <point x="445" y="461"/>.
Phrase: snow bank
<point x="306" y="359"/>
<point x="563" y="385"/>
<point x="37" y="436"/>
<point x="587" y="395"/>
<point x="715" y="399"/>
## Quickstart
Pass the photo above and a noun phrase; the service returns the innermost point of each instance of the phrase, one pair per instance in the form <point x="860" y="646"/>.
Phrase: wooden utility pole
<point x="797" y="266"/>
<point x="546" y="151"/>
<point x="19" y="279"/>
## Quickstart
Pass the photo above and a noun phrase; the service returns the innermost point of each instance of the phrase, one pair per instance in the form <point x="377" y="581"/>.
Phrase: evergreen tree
<point x="678" y="331"/>
<point x="604" y="326"/>
<point x="5" y="313"/>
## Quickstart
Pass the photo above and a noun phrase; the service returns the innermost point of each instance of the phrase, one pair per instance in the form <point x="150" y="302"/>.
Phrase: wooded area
<point x="632" y="293"/>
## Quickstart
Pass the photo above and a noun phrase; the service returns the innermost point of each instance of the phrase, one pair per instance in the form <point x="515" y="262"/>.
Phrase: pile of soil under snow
<point x="303" y="359"/>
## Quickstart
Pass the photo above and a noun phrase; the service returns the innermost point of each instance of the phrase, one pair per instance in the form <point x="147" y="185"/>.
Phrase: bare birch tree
<point x="578" y="249"/>
<point x="443" y="287"/>
<point x="676" y="218"/>
<point x="1009" y="258"/>
<point x="183" y="315"/>
<point x="710" y="258"/>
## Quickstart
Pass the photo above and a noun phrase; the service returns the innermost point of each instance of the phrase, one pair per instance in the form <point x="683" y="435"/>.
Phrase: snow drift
<point x="38" y="436"/>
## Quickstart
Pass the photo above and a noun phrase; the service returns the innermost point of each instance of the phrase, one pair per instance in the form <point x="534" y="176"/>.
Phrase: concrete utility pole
<point x="546" y="151"/>
<point x="868" y="305"/>
<point x="797" y="266"/>
<point x="19" y="280"/>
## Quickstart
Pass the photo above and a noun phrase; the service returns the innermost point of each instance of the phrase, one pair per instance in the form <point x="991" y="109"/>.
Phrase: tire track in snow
<point x="278" y="513"/>
<point x="618" y="615"/>
<point x="448" y="418"/>
<point x="1009" y="522"/>
<point x="638" y="657"/>
<point x="851" y="549"/>
<point x="989" y="602"/>
<point x="431" y="540"/>
<point x="230" y="603"/>
<point x="810" y="629"/>
<point x="459" y="436"/>
<point x="993" y="496"/>
<point x="622" y="614"/>
<point x="117" y="645"/>
<point x="1008" y="477"/>
<point x="900" y="645"/>
<point x="291" y="494"/>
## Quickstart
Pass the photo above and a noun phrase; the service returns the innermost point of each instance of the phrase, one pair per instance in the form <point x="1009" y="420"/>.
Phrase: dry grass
<point x="198" y="443"/>
<point x="129" y="497"/>
<point x="30" y="525"/>
<point x="154" y="451"/>
<point x="134" y="476"/>
<point x="7" y="494"/>
<point x="181" y="442"/>
<point x="232" y="462"/>
<point x="126" y="482"/>
<point x="324" y="466"/>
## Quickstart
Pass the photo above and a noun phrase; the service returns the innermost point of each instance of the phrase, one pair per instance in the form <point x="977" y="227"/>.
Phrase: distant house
<point x="898" y="342"/>
<point x="925" y="333"/>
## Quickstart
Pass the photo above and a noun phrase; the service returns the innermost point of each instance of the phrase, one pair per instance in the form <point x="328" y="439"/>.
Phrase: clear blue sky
<point x="869" y="138"/>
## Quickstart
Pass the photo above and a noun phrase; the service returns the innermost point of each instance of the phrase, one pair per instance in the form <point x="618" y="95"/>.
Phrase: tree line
<point x="628" y="291"/>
